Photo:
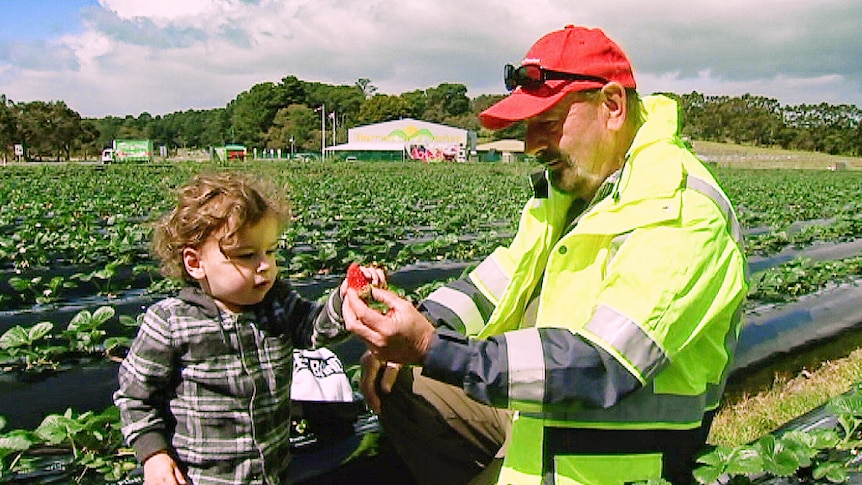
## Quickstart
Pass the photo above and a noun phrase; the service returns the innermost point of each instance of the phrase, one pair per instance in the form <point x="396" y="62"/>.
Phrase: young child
<point x="204" y="392"/>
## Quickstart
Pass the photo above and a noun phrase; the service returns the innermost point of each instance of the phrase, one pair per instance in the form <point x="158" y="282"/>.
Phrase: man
<point x="609" y="323"/>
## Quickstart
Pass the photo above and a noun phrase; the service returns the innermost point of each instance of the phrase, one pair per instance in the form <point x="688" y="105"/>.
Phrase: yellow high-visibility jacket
<point x="610" y="331"/>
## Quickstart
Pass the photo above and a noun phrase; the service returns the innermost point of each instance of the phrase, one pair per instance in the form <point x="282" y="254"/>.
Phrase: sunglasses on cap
<point x="532" y="76"/>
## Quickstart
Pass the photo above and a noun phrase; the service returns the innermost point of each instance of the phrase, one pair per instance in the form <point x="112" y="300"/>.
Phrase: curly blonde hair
<point x="210" y="204"/>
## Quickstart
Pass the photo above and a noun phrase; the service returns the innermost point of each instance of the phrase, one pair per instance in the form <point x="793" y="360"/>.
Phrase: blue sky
<point x="27" y="20"/>
<point x="125" y="57"/>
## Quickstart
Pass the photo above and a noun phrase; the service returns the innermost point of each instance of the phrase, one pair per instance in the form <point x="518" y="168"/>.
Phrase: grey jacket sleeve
<point x="568" y="369"/>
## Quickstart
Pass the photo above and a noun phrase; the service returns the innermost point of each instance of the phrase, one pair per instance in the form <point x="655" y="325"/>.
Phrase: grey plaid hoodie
<point x="213" y="388"/>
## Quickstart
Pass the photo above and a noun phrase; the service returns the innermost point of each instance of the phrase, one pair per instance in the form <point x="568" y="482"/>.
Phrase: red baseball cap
<point x="572" y="50"/>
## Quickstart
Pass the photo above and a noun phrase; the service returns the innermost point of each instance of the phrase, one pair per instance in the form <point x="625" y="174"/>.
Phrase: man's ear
<point x="614" y="98"/>
<point x="192" y="263"/>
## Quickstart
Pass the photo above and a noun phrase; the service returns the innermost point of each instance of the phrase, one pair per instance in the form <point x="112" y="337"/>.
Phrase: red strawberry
<point x="358" y="281"/>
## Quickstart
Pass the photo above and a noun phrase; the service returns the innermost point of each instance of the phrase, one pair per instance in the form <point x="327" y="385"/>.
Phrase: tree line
<point x="287" y="116"/>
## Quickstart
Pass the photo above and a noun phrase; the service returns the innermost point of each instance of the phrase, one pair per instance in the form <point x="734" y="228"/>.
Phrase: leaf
<point x="832" y="471"/>
<point x="15" y="441"/>
<point x="782" y="464"/>
<point x="848" y="405"/>
<point x="8" y="357"/>
<point x="114" y="342"/>
<point x="707" y="474"/>
<point x="823" y="438"/>
<point x="80" y="320"/>
<point x="14" y="337"/>
<point x="56" y="429"/>
<point x="102" y="315"/>
<point x="777" y="459"/>
<point x="744" y="461"/>
<point x="39" y="330"/>
<point x="800" y="444"/>
<point x="21" y="284"/>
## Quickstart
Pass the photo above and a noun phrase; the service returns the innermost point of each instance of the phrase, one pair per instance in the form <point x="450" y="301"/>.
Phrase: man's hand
<point x="402" y="335"/>
<point x="368" y="380"/>
<point x="161" y="469"/>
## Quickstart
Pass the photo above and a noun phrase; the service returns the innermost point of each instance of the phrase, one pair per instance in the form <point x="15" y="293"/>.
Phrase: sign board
<point x="133" y="150"/>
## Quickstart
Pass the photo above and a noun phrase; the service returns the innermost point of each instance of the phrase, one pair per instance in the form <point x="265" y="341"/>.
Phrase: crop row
<point x="77" y="230"/>
<point x="68" y="231"/>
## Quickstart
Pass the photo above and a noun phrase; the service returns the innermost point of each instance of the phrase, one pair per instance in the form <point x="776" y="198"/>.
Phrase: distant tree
<point x="109" y="130"/>
<point x="298" y="122"/>
<point x="343" y="100"/>
<point x="692" y="107"/>
<point x="252" y="113"/>
<point x="292" y="90"/>
<point x="824" y="127"/>
<point x="446" y="100"/>
<point x="517" y="131"/>
<point x="131" y="128"/>
<point x="365" y="87"/>
<point x="66" y="127"/>
<point x="269" y="113"/>
<point x="383" y="107"/>
<point x="50" y="129"/>
<point x="89" y="137"/>
<point x="416" y="102"/>
<point x="8" y="127"/>
<point x="215" y="127"/>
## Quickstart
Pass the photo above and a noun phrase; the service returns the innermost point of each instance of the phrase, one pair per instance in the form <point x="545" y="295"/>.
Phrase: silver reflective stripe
<point x="643" y="409"/>
<point x="619" y="240"/>
<point x="627" y="337"/>
<point x="721" y="201"/>
<point x="526" y="365"/>
<point x="462" y="305"/>
<point x="730" y="342"/>
<point x="489" y="276"/>
<point x="616" y="243"/>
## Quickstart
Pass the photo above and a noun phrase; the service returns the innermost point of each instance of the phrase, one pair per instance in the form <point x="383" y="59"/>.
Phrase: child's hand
<point x="161" y="469"/>
<point x="363" y="278"/>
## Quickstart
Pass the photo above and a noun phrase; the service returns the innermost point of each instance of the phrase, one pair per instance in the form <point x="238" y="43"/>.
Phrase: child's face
<point x="242" y="275"/>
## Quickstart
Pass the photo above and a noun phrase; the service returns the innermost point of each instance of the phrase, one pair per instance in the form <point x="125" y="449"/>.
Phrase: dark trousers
<point x="442" y="435"/>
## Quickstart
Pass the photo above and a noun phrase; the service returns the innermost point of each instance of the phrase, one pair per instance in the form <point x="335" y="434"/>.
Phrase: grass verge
<point x="789" y="386"/>
<point x="743" y="156"/>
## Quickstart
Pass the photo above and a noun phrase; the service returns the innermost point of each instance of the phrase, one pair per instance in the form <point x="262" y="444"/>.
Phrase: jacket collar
<point x="661" y="123"/>
<point x="657" y="175"/>
<point x="195" y="296"/>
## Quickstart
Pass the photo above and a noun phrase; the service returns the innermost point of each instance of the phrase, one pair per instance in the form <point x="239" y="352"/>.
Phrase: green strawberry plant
<point x="19" y="345"/>
<point x="34" y="348"/>
<point x="824" y="455"/>
<point x="85" y="333"/>
<point x="12" y="444"/>
<point x="34" y="290"/>
<point x="103" y="279"/>
<point x="94" y="441"/>
<point x="801" y="276"/>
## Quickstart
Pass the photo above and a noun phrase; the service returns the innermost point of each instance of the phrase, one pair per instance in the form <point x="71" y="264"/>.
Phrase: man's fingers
<point x="178" y="475"/>
<point x="358" y="318"/>
<point x="390" y="373"/>
<point x="375" y="274"/>
<point x="368" y="378"/>
<point x="386" y="297"/>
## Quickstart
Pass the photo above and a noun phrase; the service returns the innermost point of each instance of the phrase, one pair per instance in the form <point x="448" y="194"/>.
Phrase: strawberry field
<point x="75" y="270"/>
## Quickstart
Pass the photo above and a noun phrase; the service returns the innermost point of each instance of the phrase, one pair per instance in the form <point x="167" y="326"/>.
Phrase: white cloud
<point x="163" y="11"/>
<point x="170" y="55"/>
